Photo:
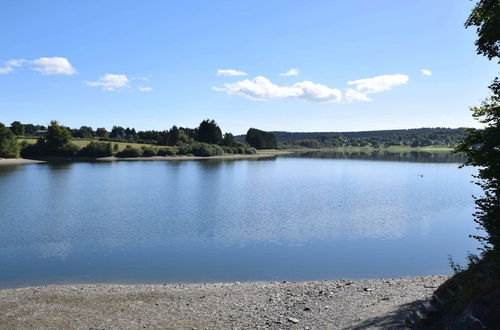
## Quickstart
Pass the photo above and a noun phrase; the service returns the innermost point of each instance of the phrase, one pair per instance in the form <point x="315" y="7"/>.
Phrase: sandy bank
<point x="263" y="154"/>
<point x="380" y="303"/>
<point x="18" y="161"/>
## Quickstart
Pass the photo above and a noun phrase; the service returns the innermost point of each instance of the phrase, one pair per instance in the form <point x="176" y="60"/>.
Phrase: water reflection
<point x="232" y="217"/>
<point x="410" y="156"/>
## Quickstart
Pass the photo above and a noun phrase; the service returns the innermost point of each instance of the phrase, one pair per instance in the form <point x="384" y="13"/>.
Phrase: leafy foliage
<point x="482" y="146"/>
<point x="96" y="149"/>
<point x="8" y="143"/>
<point x="209" y="132"/>
<point x="57" y="136"/>
<point x="486" y="18"/>
<point x="202" y="149"/>
<point x="260" y="139"/>
<point x="129" y="151"/>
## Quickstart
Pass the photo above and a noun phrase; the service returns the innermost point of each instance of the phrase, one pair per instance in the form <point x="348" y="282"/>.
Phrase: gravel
<point x="340" y="304"/>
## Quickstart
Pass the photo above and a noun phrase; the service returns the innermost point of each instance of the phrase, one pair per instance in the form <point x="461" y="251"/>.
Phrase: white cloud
<point x="145" y="89"/>
<point x="426" y="72"/>
<point x="44" y="65"/>
<point x="16" y="62"/>
<point x="8" y="68"/>
<point x="379" y="83"/>
<point x="260" y="89"/>
<point x="291" y="72"/>
<point x="230" y="73"/>
<point x="110" y="82"/>
<point x="53" y="66"/>
<point x="5" y="70"/>
<point x="352" y="95"/>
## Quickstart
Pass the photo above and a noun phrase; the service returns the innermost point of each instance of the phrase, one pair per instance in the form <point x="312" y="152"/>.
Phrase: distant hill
<point x="414" y="136"/>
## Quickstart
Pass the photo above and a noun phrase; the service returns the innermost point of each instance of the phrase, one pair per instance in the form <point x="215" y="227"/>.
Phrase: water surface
<point x="302" y="217"/>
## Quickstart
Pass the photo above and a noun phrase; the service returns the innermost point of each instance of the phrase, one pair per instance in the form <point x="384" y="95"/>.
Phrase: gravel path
<point x="341" y="304"/>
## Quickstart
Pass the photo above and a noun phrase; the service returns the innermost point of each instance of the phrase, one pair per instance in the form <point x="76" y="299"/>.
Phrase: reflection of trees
<point x="410" y="156"/>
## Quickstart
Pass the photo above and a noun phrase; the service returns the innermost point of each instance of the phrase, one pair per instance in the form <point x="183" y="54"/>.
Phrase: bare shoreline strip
<point x="263" y="154"/>
<point x="18" y="161"/>
<point x="340" y="304"/>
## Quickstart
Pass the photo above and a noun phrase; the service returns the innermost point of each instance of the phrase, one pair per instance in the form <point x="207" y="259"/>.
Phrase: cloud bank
<point x="230" y="73"/>
<point x="45" y="65"/>
<point x="261" y="88"/>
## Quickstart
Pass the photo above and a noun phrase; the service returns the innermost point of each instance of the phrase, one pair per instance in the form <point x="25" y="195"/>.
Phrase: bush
<point x="8" y="143"/>
<point x="166" y="152"/>
<point x="250" y="151"/>
<point x="148" y="151"/>
<point x="227" y="149"/>
<point x="42" y="149"/>
<point x="96" y="149"/>
<point x="67" y="150"/>
<point x="129" y="152"/>
<point x="203" y="149"/>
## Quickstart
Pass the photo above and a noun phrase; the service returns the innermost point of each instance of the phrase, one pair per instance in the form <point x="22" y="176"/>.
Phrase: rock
<point x="368" y="289"/>
<point x="307" y="309"/>
<point x="293" y="320"/>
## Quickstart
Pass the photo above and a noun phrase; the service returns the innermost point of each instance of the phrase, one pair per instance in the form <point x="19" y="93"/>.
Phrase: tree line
<point x="418" y="137"/>
<point x="55" y="140"/>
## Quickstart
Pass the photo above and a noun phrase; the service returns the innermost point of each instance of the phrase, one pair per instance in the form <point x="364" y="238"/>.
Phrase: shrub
<point x="42" y="149"/>
<point x="148" y="151"/>
<point x="166" y="152"/>
<point x="67" y="150"/>
<point x="250" y="151"/>
<point x="96" y="149"/>
<point x="129" y="152"/>
<point x="203" y="149"/>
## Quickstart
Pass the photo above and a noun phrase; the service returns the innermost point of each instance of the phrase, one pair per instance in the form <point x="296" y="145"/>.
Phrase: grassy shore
<point x="83" y="142"/>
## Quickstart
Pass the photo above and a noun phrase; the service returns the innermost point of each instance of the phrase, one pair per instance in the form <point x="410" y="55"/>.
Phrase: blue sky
<point x="153" y="64"/>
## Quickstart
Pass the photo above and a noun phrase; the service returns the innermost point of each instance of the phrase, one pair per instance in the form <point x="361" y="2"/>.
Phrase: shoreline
<point x="339" y="304"/>
<point x="263" y="154"/>
<point x="260" y="155"/>
<point x="19" y="161"/>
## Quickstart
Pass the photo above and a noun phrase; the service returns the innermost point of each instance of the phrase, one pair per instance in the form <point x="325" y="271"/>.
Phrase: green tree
<point x="260" y="139"/>
<point x="8" y="143"/>
<point x="482" y="146"/>
<point x="486" y="18"/>
<point x="57" y="136"/>
<point x="86" y="132"/>
<point x="101" y="132"/>
<point x="209" y="132"/>
<point x="173" y="136"/>
<point x="227" y="140"/>
<point x="17" y="128"/>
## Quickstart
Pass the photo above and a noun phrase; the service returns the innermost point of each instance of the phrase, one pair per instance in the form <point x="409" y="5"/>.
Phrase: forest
<point x="417" y="137"/>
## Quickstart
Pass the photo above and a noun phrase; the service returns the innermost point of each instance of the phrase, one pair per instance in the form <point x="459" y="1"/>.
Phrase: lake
<point x="310" y="216"/>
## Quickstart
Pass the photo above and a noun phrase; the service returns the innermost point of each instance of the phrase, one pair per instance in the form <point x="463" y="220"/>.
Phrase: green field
<point x="82" y="143"/>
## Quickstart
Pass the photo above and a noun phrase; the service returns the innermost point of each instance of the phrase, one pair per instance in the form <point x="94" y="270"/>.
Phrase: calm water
<point x="307" y="217"/>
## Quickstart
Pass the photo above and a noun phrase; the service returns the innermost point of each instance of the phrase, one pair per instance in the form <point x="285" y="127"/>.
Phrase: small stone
<point x="368" y="289"/>
<point x="293" y="320"/>
<point x="307" y="309"/>
<point x="326" y="307"/>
